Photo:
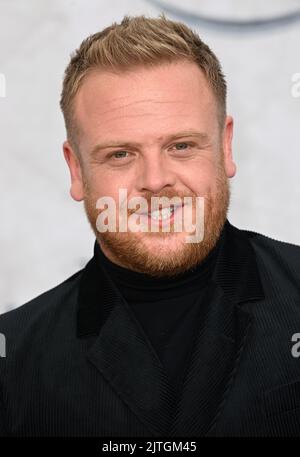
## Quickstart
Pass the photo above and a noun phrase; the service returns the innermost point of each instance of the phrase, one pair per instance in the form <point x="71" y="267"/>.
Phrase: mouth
<point x="162" y="217"/>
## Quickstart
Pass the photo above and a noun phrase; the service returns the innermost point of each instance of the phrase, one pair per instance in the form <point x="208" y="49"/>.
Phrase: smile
<point x="163" y="214"/>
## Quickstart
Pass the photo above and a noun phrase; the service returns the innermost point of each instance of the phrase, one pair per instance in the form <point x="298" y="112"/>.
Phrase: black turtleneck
<point x="168" y="309"/>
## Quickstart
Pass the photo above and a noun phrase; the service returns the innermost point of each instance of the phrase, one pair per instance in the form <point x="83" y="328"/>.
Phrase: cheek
<point x="199" y="178"/>
<point x="98" y="184"/>
<point x="108" y="182"/>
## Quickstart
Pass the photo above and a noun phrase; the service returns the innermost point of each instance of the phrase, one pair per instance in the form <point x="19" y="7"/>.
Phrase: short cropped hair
<point x="139" y="41"/>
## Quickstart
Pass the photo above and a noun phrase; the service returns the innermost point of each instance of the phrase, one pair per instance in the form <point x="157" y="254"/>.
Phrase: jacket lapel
<point x="122" y="351"/>
<point x="125" y="357"/>
<point x="221" y="340"/>
<point x="214" y="362"/>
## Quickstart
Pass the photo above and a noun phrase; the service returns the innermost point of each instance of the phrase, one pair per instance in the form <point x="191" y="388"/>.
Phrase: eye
<point x="183" y="146"/>
<point x="118" y="154"/>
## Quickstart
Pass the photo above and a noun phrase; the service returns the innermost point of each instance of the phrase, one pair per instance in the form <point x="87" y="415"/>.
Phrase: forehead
<point x="169" y="93"/>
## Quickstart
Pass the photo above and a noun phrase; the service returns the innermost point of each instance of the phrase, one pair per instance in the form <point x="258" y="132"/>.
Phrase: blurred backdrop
<point x="44" y="235"/>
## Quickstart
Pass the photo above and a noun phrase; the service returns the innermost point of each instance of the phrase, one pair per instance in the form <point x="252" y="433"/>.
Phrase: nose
<point x="155" y="173"/>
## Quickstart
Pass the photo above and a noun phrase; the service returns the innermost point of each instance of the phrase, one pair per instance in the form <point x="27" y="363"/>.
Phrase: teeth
<point x="164" y="214"/>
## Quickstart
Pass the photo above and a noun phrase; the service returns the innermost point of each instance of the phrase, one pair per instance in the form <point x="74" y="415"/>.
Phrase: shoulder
<point x="41" y="312"/>
<point x="278" y="263"/>
<point x="274" y="251"/>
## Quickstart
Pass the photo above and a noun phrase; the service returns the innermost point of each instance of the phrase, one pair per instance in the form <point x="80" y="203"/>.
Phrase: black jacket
<point x="79" y="364"/>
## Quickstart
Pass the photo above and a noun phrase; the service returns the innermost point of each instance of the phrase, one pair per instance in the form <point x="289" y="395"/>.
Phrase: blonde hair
<point x="138" y="41"/>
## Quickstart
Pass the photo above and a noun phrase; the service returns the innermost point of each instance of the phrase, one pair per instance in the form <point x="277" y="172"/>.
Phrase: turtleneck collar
<point x="140" y="286"/>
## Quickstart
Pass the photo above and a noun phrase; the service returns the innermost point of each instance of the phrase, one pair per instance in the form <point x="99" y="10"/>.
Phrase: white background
<point x="44" y="234"/>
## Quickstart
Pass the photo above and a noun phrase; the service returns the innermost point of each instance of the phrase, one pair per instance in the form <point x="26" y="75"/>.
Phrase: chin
<point x="170" y="241"/>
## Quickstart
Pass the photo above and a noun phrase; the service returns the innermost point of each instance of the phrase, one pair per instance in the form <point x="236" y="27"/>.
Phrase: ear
<point x="230" y="166"/>
<point x="74" y="165"/>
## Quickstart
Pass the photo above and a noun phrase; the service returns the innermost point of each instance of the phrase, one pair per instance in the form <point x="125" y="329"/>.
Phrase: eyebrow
<point x="121" y="144"/>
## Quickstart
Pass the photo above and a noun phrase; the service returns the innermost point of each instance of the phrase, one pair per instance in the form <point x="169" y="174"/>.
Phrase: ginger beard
<point x="162" y="254"/>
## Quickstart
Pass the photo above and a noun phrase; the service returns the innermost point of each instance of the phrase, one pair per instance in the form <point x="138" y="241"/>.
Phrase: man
<point x="160" y="334"/>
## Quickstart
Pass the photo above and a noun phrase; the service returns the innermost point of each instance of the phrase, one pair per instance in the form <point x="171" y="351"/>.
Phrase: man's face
<point x="147" y="114"/>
